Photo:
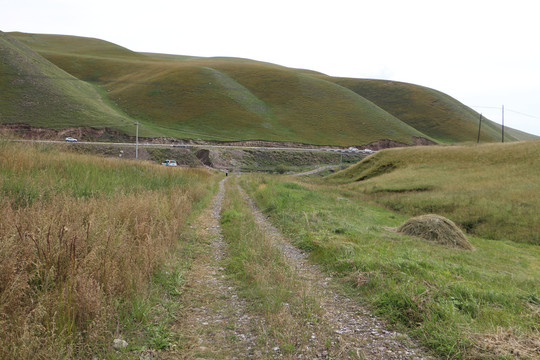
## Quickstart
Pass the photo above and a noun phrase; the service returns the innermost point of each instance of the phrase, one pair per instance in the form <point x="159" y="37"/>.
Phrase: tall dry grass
<point x="68" y="264"/>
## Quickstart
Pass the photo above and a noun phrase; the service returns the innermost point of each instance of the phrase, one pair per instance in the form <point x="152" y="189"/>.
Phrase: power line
<point x="506" y="110"/>
<point x="523" y="114"/>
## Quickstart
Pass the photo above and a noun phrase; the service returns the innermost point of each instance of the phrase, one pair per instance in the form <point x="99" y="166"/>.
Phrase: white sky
<point x="483" y="53"/>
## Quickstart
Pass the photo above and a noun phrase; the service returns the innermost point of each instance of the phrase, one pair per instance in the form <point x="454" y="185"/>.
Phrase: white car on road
<point x="169" y="163"/>
<point x="70" y="139"/>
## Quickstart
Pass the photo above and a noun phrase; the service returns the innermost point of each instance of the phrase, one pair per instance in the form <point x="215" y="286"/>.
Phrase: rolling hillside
<point x="36" y="92"/>
<point x="491" y="190"/>
<point x="97" y="83"/>
<point x="429" y="111"/>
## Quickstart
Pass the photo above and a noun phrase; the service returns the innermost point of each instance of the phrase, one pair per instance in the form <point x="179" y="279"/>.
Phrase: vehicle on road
<point x="169" y="163"/>
<point x="70" y="139"/>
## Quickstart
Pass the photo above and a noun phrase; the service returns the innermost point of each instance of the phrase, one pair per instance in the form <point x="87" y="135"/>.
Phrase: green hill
<point x="36" y="92"/>
<point x="491" y="190"/>
<point x="429" y="111"/>
<point x="220" y="98"/>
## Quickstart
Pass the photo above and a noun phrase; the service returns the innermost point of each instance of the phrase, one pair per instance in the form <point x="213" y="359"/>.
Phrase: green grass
<point x="91" y="247"/>
<point x="223" y="98"/>
<point x="47" y="96"/>
<point x="291" y="161"/>
<point x="490" y="190"/>
<point x="267" y="280"/>
<point x="461" y="304"/>
<point x="41" y="176"/>
<point x="150" y="319"/>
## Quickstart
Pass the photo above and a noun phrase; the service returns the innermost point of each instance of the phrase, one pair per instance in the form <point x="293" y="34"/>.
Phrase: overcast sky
<point x="483" y="53"/>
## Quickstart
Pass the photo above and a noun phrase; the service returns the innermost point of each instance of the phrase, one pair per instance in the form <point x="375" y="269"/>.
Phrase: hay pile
<point x="436" y="228"/>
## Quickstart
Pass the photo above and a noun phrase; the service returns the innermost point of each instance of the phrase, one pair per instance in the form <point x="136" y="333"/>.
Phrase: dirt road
<point x="354" y="329"/>
<point x="217" y="323"/>
<point x="315" y="171"/>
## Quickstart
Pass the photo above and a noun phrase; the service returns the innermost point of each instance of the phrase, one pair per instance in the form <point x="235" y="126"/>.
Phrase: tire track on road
<point x="216" y="321"/>
<point x="355" y="332"/>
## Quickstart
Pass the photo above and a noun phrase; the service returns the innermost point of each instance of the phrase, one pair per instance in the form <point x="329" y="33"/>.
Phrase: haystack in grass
<point x="436" y="228"/>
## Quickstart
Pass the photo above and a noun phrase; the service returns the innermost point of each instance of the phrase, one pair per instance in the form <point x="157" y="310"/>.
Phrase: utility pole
<point x="137" y="142"/>
<point x="502" y="123"/>
<point x="479" y="126"/>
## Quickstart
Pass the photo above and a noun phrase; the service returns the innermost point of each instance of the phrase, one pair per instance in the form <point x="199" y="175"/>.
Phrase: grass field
<point x="96" y="83"/>
<point x="93" y="249"/>
<point x="86" y="244"/>
<point x="492" y="191"/>
<point x="480" y="304"/>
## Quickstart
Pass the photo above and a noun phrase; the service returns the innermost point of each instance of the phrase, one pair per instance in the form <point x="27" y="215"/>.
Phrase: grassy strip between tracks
<point x="267" y="280"/>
